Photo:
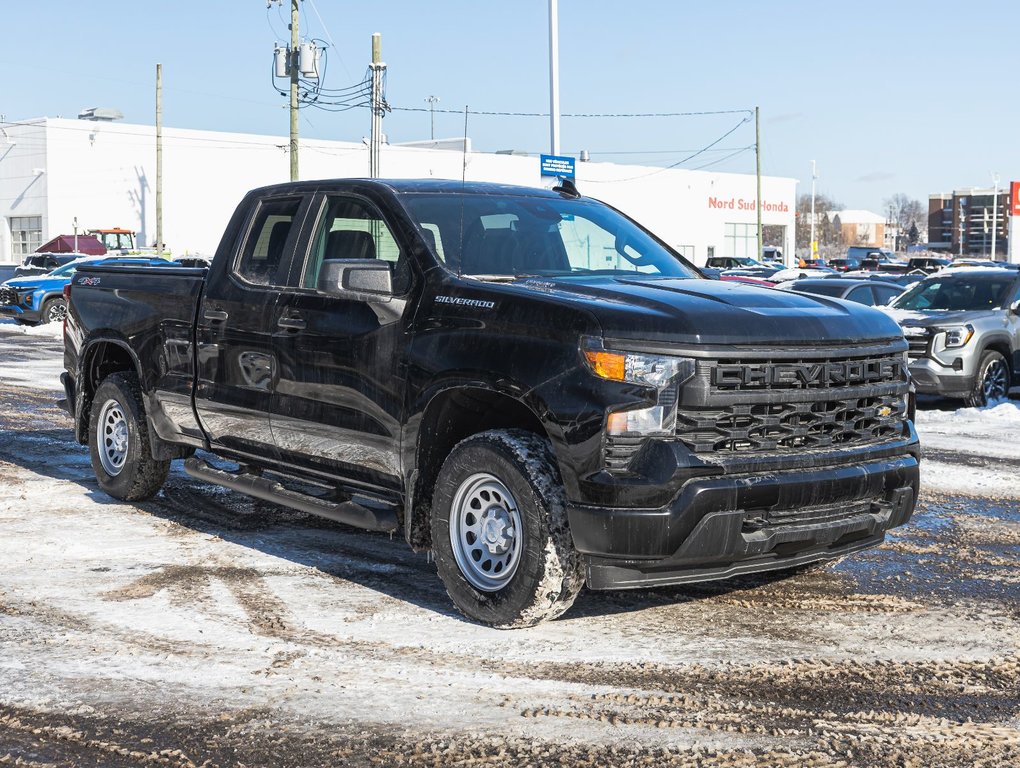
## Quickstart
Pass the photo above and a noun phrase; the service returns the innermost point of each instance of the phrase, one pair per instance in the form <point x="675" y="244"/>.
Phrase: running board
<point x="347" y="512"/>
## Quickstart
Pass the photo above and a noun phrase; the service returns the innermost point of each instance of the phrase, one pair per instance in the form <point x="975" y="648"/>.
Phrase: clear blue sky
<point x="892" y="96"/>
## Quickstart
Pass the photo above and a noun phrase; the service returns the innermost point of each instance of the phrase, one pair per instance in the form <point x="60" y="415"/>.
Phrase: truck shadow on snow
<point x="375" y="561"/>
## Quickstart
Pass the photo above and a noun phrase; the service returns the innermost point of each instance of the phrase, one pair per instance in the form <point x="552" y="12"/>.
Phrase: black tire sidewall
<point x="504" y="607"/>
<point x="127" y="484"/>
<point x="978" y="398"/>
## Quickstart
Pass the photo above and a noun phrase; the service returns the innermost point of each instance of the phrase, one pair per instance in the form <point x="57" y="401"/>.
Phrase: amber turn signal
<point x="608" y="365"/>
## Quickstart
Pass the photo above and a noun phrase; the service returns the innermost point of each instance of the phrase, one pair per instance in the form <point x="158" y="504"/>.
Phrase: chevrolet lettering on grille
<point x="824" y="374"/>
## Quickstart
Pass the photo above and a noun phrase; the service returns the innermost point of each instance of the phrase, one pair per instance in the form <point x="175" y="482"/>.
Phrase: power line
<point x="748" y="112"/>
<point x="693" y="155"/>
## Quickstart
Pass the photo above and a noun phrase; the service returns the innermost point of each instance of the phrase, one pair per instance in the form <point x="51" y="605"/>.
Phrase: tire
<point x="119" y="441"/>
<point x="499" y="531"/>
<point x="53" y="311"/>
<point x="992" y="380"/>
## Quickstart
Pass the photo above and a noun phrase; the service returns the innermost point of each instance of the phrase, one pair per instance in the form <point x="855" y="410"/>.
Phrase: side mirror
<point x="357" y="279"/>
<point x="1015" y="307"/>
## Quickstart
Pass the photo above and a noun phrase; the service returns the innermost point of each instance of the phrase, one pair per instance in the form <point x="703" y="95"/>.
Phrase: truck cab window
<point x="351" y="229"/>
<point x="263" y="251"/>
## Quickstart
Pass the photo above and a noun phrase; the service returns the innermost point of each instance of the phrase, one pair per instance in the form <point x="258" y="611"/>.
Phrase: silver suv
<point x="963" y="328"/>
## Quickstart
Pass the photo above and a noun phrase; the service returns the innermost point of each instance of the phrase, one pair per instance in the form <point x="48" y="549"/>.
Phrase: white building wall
<point x="104" y="175"/>
<point x="24" y="183"/>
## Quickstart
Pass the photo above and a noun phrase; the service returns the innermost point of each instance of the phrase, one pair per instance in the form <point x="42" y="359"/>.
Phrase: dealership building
<point x="58" y="176"/>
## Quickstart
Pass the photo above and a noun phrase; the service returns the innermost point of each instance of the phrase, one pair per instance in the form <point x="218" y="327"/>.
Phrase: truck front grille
<point x="8" y="295"/>
<point x="918" y="346"/>
<point x="745" y="405"/>
<point x="787" y="426"/>
<point x="785" y="400"/>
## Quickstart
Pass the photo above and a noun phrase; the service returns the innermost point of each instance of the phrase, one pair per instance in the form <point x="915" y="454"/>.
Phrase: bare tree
<point x="905" y="211"/>
<point x="827" y="231"/>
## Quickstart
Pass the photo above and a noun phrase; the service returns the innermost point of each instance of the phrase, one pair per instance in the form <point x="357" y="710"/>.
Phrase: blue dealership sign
<point x="557" y="165"/>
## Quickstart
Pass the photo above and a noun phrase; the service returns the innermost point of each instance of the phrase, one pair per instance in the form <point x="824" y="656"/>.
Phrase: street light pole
<point x="432" y="114"/>
<point x="995" y="210"/>
<point x="554" y="78"/>
<point x="814" y="245"/>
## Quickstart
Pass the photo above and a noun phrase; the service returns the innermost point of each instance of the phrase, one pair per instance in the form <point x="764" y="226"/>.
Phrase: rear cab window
<point x="261" y="259"/>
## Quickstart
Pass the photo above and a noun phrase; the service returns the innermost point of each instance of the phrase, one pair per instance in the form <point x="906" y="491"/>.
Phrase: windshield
<point x="67" y="269"/>
<point x="505" y="236"/>
<point x="956" y="294"/>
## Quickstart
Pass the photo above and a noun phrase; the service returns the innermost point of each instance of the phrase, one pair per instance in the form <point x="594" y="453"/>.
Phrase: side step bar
<point x="347" y="512"/>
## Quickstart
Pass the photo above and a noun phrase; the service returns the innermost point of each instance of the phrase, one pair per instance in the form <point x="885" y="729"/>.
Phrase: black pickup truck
<point x="524" y="381"/>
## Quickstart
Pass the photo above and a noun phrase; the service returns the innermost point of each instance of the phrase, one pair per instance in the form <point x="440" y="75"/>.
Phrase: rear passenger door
<point x="236" y="361"/>
<point x="340" y="386"/>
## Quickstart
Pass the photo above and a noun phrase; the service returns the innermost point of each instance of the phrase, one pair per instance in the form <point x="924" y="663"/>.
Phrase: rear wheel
<point x="119" y="441"/>
<point x="992" y="380"/>
<point x="499" y="531"/>
<point x="53" y="311"/>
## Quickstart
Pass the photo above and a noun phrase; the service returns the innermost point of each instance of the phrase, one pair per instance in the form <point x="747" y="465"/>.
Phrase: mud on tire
<point x="119" y="441"/>
<point x="499" y="531"/>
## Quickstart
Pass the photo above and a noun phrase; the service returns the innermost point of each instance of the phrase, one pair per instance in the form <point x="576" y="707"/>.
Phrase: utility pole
<point x="554" y="78"/>
<point x="159" y="160"/>
<point x="432" y="100"/>
<point x="757" y="170"/>
<point x="962" y="224"/>
<point x="995" y="210"/>
<point x="295" y="73"/>
<point x="377" y="68"/>
<point x="814" y="245"/>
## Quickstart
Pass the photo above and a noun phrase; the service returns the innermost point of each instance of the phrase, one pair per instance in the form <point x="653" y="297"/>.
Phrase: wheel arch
<point x="1001" y="345"/>
<point x="451" y="415"/>
<point x="101" y="357"/>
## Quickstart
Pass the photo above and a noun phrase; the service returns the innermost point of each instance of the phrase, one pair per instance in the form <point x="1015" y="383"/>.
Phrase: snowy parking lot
<point x="207" y="628"/>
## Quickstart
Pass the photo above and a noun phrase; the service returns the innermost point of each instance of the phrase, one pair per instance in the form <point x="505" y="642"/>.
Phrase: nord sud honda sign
<point x="742" y="204"/>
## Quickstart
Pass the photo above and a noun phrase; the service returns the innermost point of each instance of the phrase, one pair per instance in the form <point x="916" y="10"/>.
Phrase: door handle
<point x="215" y="315"/>
<point x="293" y="322"/>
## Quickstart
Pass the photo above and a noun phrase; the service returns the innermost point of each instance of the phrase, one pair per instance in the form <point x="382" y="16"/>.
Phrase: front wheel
<point x="992" y="380"/>
<point x="499" y="531"/>
<point x="53" y="311"/>
<point x="119" y="441"/>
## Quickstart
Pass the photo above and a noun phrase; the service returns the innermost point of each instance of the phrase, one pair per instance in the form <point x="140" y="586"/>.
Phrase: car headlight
<point x="664" y="373"/>
<point x="953" y="337"/>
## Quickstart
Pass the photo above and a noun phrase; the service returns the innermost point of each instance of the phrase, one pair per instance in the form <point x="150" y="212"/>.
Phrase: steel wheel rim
<point x="486" y="532"/>
<point x="57" y="313"/>
<point x="994" y="384"/>
<point x="112" y="438"/>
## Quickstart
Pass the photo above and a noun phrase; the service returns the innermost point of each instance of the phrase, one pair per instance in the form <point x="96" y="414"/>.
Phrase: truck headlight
<point x="953" y="337"/>
<point x="664" y="373"/>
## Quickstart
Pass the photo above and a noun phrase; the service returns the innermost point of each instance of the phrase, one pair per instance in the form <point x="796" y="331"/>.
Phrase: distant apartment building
<point x="962" y="222"/>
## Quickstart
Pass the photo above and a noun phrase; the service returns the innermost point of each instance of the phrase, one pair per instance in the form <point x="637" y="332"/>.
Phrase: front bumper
<point x="722" y="526"/>
<point x="933" y="378"/>
<point x="19" y="313"/>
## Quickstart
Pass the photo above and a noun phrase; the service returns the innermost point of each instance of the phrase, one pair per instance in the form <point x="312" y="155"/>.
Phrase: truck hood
<point x="696" y="311"/>
<point x="940" y="318"/>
